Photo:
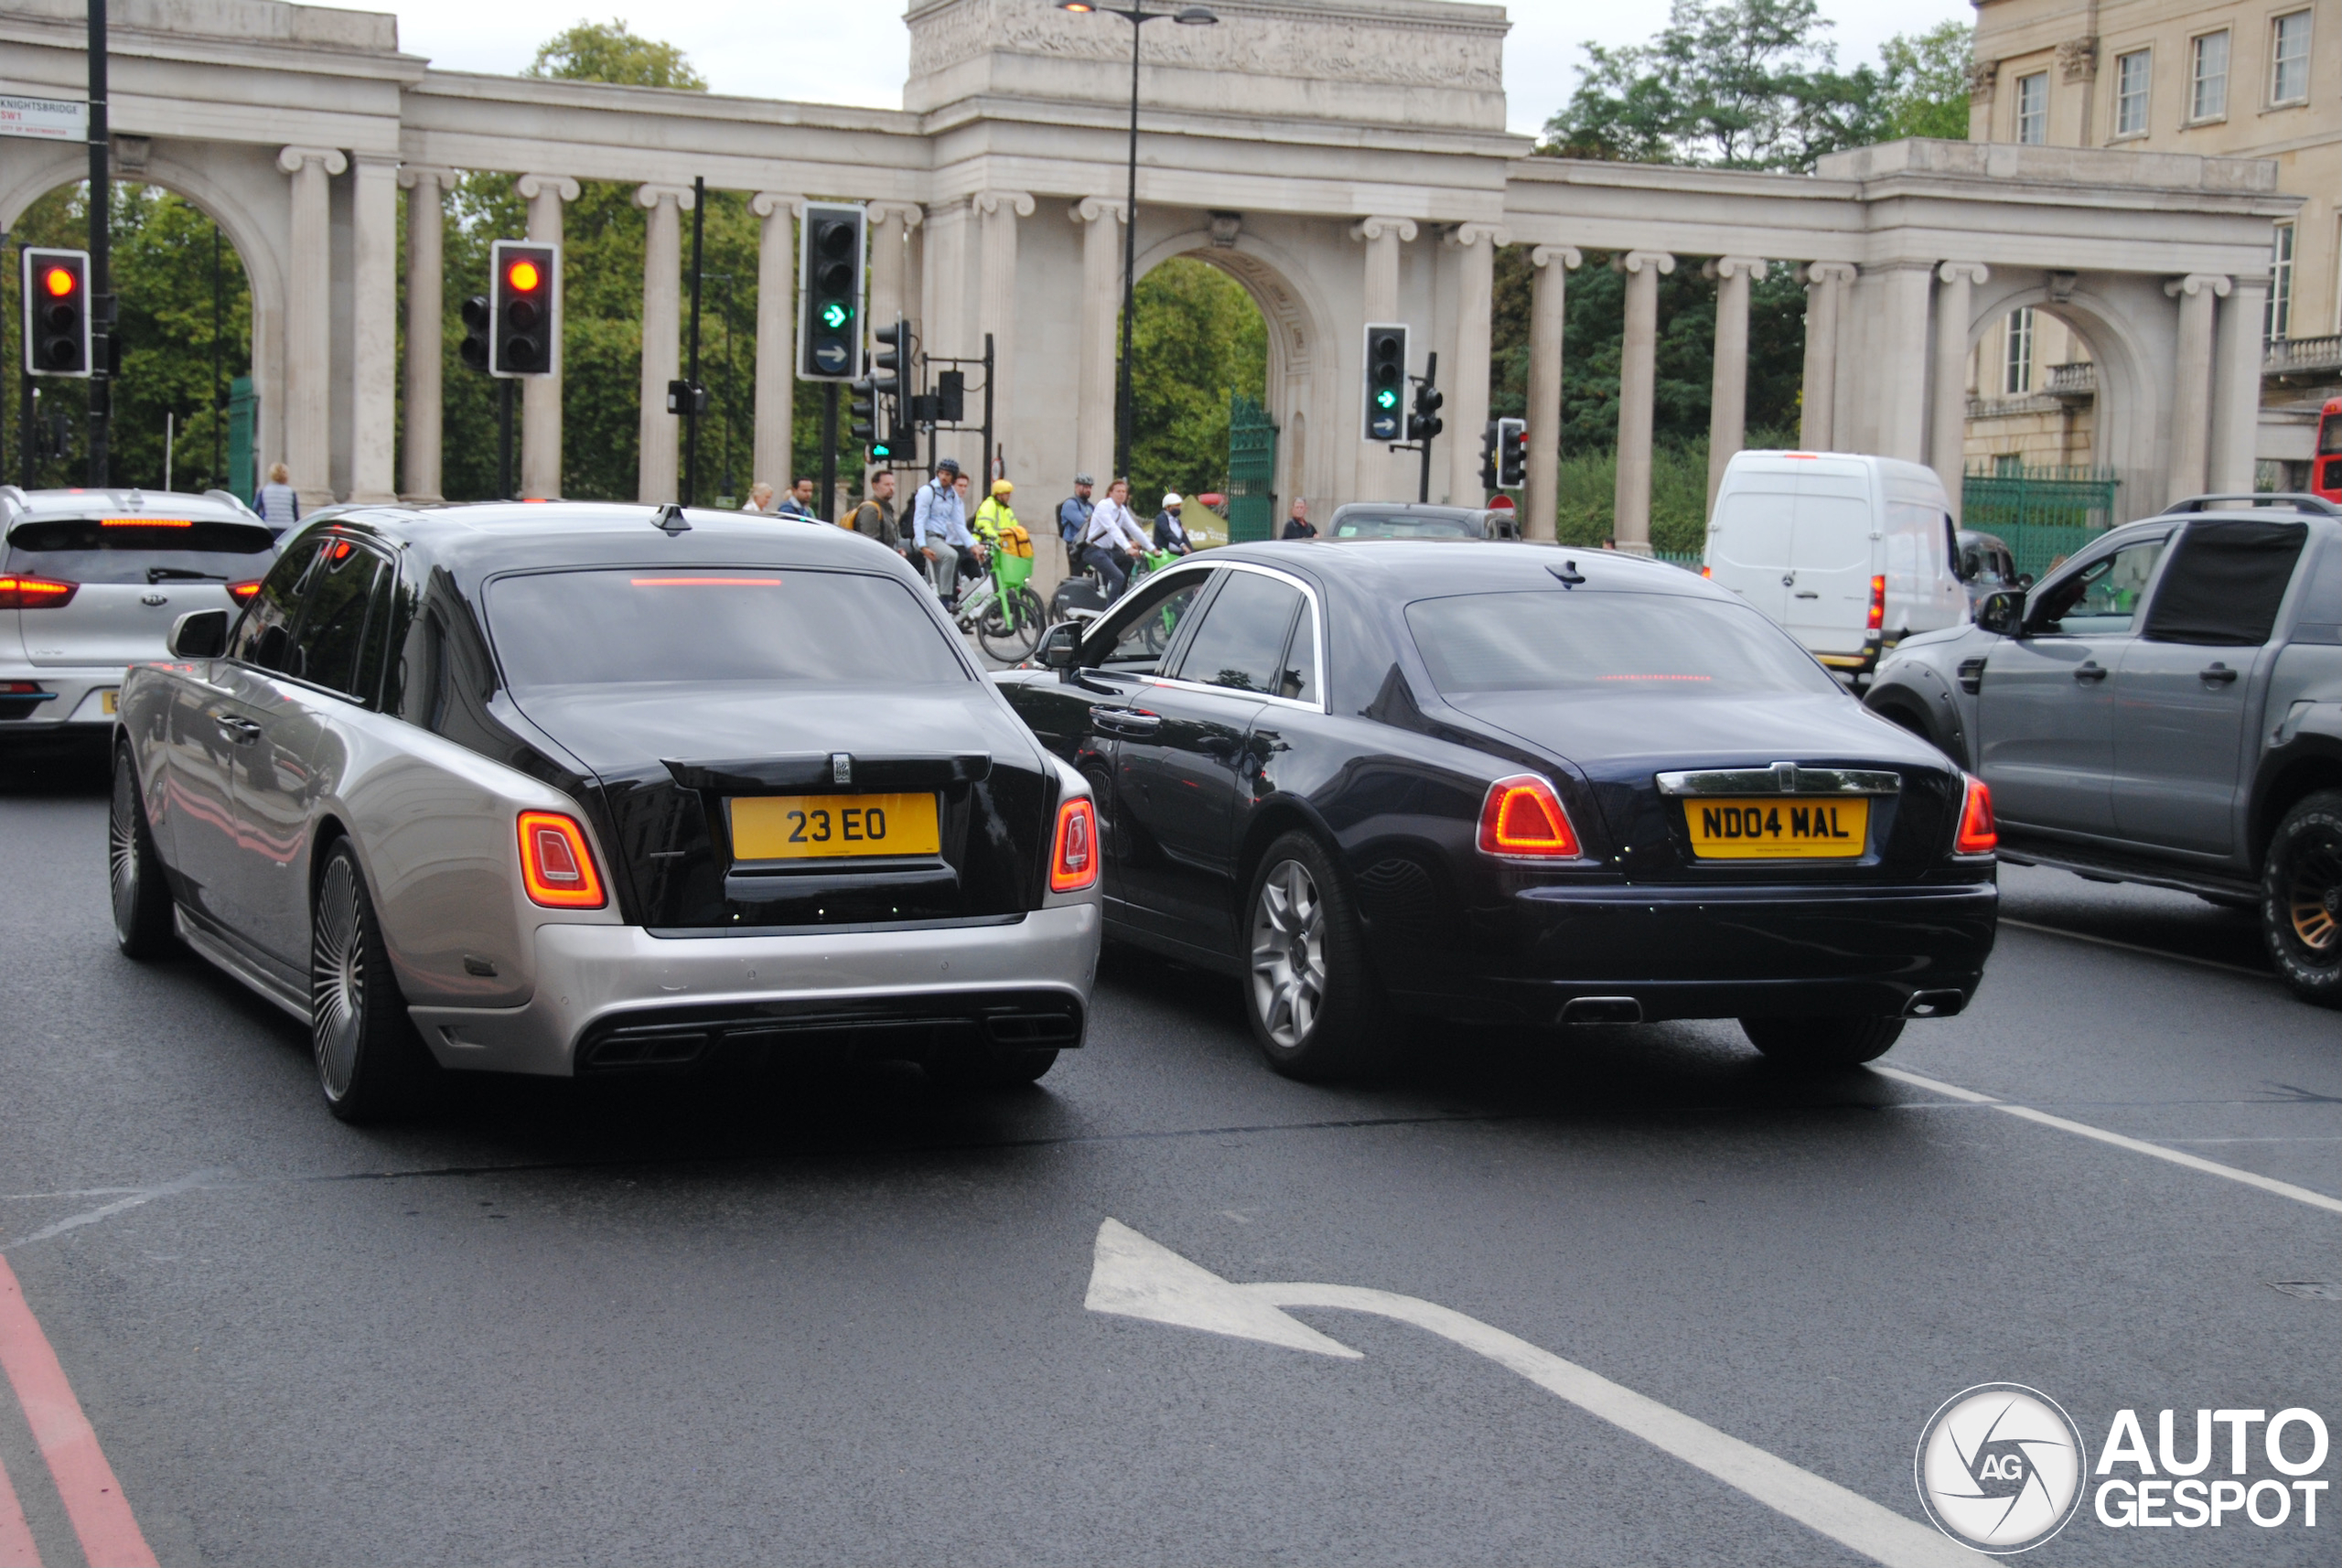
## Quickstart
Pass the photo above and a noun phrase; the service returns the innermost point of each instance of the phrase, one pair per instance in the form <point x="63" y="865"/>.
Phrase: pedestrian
<point x="760" y="499"/>
<point x="799" y="502"/>
<point x="874" y="517"/>
<point x="1170" y="533"/>
<point x="940" y="528"/>
<point x="280" y="503"/>
<point x="1298" y="525"/>
<point x="1113" y="535"/>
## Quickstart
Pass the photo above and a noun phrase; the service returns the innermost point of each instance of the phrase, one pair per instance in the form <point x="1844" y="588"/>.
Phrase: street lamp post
<point x="1137" y="15"/>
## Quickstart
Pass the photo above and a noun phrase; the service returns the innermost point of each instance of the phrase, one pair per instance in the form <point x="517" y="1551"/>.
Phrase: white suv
<point x="90" y="583"/>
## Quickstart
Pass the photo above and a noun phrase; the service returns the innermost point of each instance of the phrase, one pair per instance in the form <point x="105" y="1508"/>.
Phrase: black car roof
<point x="1402" y="569"/>
<point x="481" y="540"/>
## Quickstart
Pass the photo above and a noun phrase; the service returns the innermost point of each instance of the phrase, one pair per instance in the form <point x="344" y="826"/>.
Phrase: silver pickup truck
<point x="2165" y="707"/>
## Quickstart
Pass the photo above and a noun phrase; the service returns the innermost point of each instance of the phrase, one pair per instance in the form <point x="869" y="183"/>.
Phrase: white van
<point x="1850" y="553"/>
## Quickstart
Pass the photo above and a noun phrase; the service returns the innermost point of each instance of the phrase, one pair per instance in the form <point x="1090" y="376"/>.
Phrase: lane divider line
<point x="2134" y="947"/>
<point x="17" y="1549"/>
<point x="118" y="1205"/>
<point x="92" y="1494"/>
<point x="2136" y="1145"/>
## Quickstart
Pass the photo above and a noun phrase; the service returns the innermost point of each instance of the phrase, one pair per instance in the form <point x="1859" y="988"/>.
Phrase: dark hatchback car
<point x="1507" y="784"/>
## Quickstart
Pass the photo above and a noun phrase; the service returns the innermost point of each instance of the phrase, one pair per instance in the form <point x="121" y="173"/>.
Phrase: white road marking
<point x="1134" y="1277"/>
<point x="2134" y="947"/>
<point x="107" y="1211"/>
<point x="2136" y="1145"/>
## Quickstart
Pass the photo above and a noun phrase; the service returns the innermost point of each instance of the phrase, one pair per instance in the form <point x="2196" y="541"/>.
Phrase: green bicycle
<point x="1004" y="615"/>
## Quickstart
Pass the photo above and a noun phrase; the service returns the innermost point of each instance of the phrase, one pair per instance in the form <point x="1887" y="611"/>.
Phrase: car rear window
<point x="139" y="550"/>
<point x="1649" y="644"/>
<point x="1401" y="526"/>
<point x="626" y="626"/>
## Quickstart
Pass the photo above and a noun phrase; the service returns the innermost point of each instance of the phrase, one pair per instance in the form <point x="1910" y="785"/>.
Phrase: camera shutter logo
<point x="2000" y="1467"/>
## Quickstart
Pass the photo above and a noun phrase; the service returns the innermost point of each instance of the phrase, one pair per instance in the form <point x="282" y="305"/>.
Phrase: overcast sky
<point x="855" y="51"/>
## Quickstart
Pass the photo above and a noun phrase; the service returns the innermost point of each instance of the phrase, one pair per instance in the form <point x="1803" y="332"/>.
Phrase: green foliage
<point x="1198" y="337"/>
<point x="1679" y="492"/>
<point x="1923" y="83"/>
<point x="609" y="52"/>
<point x="162" y="252"/>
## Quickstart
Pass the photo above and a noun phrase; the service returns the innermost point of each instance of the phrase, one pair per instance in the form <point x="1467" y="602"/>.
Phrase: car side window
<point x="1242" y="638"/>
<point x="263" y="637"/>
<point x="1133" y="639"/>
<point x="2100" y="599"/>
<point x="2226" y="584"/>
<point x="1299" y="679"/>
<point x="331" y="637"/>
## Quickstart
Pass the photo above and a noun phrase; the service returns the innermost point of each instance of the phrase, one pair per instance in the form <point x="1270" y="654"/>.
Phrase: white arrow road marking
<point x="1134" y="1277"/>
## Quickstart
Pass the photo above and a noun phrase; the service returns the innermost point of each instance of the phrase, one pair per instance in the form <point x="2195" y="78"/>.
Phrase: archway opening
<point x="2037" y="475"/>
<point x="183" y="322"/>
<point x="1199" y="343"/>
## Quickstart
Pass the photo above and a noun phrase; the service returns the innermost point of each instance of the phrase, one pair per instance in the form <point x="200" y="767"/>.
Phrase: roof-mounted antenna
<point x="1568" y="573"/>
<point x="670" y="521"/>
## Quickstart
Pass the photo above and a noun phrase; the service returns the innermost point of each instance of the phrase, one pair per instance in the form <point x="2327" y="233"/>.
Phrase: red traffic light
<point x="59" y="282"/>
<point x="523" y="276"/>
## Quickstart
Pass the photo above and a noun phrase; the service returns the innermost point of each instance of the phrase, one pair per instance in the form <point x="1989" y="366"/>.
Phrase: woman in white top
<point x="278" y="503"/>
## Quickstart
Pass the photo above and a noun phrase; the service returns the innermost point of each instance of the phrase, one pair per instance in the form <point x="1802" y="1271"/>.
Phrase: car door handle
<point x="2218" y="675"/>
<point x="242" y="730"/>
<point x="1807" y="593"/>
<point x="2090" y="672"/>
<point x="1125" y="721"/>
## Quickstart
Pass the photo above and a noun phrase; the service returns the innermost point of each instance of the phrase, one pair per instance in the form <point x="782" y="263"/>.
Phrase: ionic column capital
<point x="532" y="185"/>
<point x="988" y="203"/>
<point x="651" y="196"/>
<point x="1376" y="228"/>
<point x="911" y="213"/>
<point x="1827" y="273"/>
<point x="291" y="160"/>
<point x="1569" y="257"/>
<point x="1092" y="208"/>
<point x="1733" y="266"/>
<point x="767" y="203"/>
<point x="413" y="175"/>
<point x="1464" y="236"/>
<point x="1633" y="262"/>
<point x="1972" y="271"/>
<point x="2217" y="284"/>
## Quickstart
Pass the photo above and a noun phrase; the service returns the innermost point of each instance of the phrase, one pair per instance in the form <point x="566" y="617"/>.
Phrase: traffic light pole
<point x="691" y="408"/>
<point x="1430" y="379"/>
<point x="100" y="285"/>
<point x="504" y="439"/>
<point x="826" y="504"/>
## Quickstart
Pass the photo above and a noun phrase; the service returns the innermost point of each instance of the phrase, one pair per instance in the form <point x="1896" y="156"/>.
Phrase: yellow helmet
<point x="1001" y="487"/>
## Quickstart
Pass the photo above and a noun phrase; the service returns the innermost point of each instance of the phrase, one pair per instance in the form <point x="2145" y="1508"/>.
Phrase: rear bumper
<point x="1709" y="953"/>
<point x="613" y="997"/>
<point x="70" y="698"/>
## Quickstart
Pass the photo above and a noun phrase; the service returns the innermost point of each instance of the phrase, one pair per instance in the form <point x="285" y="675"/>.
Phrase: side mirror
<point x="1060" y="646"/>
<point x="2002" y="612"/>
<point x="199" y="634"/>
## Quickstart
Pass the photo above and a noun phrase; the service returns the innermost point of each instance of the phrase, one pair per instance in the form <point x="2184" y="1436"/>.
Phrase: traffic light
<point x="687" y="398"/>
<point x="898" y="437"/>
<point x="1426" y="422"/>
<point x="1488" y="439"/>
<point x="861" y="410"/>
<point x="1512" y="453"/>
<point x="56" y="312"/>
<point x="950" y="397"/>
<point x="830" y="274"/>
<point x="1386" y="379"/>
<point x="524" y="306"/>
<point x="478" y="327"/>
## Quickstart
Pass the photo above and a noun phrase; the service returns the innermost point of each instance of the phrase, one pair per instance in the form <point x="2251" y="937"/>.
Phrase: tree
<point x="1197" y="338"/>
<point x="609" y="52"/>
<point x="1923" y="85"/>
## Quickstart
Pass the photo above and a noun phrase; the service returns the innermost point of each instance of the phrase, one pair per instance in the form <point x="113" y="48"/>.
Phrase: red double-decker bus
<point x="2326" y="474"/>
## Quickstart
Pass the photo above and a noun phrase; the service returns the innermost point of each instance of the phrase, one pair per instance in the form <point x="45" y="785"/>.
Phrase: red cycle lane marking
<point x="17" y="1549"/>
<point x="93" y="1497"/>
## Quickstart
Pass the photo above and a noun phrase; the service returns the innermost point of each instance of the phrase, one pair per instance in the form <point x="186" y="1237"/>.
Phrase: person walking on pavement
<point x="1170" y="533"/>
<point x="760" y="499"/>
<point x="1113" y="541"/>
<point x="278" y="503"/>
<point x="940" y="528"/>
<point x="874" y="517"/>
<point x="799" y="502"/>
<point x="1298" y="525"/>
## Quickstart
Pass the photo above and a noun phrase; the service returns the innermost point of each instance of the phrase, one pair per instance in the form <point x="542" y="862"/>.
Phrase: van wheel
<point x="2301" y="899"/>
<point x="1312" y="997"/>
<point x="1824" y="1042"/>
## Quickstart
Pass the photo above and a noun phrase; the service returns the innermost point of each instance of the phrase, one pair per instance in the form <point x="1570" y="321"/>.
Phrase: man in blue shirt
<point x="1073" y="513"/>
<point x="940" y="528"/>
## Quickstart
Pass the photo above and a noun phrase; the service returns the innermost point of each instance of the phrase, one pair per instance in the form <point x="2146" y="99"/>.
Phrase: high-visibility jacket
<point x="995" y="523"/>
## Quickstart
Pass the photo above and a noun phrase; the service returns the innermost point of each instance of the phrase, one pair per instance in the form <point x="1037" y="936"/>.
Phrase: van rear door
<point x="1749" y="547"/>
<point x="1827" y="605"/>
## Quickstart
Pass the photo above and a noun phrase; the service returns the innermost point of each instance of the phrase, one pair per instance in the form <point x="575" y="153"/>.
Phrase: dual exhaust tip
<point x="1629" y="1010"/>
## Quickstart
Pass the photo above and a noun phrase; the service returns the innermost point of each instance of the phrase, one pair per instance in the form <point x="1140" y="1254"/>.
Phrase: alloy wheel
<point x="122" y="849"/>
<point x="337" y="977"/>
<point x="2314" y="897"/>
<point x="1289" y="954"/>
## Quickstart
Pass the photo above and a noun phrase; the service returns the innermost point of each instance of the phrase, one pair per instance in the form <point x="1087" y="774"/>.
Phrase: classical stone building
<point x="1345" y="160"/>
<point x="2235" y="80"/>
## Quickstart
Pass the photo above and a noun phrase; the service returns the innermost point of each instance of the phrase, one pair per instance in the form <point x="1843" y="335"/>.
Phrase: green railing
<point x="2043" y="514"/>
<point x="1252" y="470"/>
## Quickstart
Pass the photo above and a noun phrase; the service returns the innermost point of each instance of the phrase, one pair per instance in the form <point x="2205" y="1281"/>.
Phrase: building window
<point x="2279" y="321"/>
<point x="2131" y="73"/>
<point x="2033" y="107"/>
<point x="2016" y="373"/>
<point x="2208" y="97"/>
<point x="2289" y="59"/>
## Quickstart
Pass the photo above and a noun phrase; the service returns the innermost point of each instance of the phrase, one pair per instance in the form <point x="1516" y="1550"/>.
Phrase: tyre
<point x="1822" y="1042"/>
<point x="2301" y="899"/>
<point x="141" y="898"/>
<point x="1312" y="1000"/>
<point x="370" y="1063"/>
<point x="1011" y="628"/>
<point x="993" y="1069"/>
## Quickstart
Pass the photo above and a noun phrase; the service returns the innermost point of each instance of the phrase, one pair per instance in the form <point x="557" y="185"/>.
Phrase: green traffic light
<point x="1387" y="398"/>
<point x="835" y="315"/>
<point x="880" y="449"/>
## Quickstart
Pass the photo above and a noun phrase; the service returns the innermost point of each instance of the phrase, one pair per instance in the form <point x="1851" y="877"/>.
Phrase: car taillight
<point x="1523" y="819"/>
<point x="242" y="590"/>
<point x="1073" y="857"/>
<point x="35" y="594"/>
<point x="1878" y="603"/>
<point x="1978" y="833"/>
<point x="556" y="865"/>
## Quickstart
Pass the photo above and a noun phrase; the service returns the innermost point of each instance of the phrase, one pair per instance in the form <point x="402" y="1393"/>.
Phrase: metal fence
<point x="2044" y="514"/>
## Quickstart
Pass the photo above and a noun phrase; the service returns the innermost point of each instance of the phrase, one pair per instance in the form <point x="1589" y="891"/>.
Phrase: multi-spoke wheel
<point x="369" y="1062"/>
<point x="142" y="899"/>
<point x="2301" y="897"/>
<point x="1316" y="1007"/>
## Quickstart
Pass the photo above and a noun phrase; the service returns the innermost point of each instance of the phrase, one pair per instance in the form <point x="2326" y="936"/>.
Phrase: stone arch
<point x="1301" y="358"/>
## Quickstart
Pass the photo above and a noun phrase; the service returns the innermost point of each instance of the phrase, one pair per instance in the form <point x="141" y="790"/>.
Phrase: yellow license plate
<point x="1779" y="827"/>
<point x="109" y="702"/>
<point x="831" y="827"/>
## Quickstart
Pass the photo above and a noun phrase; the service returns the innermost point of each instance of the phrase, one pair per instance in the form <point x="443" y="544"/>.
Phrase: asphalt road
<point x="840" y="1317"/>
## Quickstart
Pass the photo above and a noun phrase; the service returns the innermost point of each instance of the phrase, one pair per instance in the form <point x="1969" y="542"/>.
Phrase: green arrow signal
<point x="835" y="315"/>
<point x="1386" y="398"/>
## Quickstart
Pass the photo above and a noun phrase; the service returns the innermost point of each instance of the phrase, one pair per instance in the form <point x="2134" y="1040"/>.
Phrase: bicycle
<point x="1004" y="614"/>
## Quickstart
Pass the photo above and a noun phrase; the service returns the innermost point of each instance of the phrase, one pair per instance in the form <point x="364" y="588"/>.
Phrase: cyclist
<point x="1113" y="535"/>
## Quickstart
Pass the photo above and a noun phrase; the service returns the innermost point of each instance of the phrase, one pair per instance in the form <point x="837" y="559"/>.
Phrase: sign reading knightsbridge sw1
<point x="45" y="119"/>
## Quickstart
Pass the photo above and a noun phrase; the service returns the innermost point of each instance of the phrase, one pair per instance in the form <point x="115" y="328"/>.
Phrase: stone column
<point x="659" y="476"/>
<point x="308" y="324"/>
<point x="998" y="210"/>
<point x="1638" y="378"/>
<point x="541" y="395"/>
<point x="1547" y="320"/>
<point x="1383" y="236"/>
<point x="1728" y="400"/>
<point x="1467" y="402"/>
<point x="1895" y="381"/>
<point x="1379" y="475"/>
<point x="1825" y="300"/>
<point x="2236" y="388"/>
<point x="891" y="296"/>
<point x="1101" y="307"/>
<point x="2191" y="382"/>
<point x="772" y="445"/>
<point x="1947" y="415"/>
<point x="426" y="305"/>
<point x="374" y="330"/>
